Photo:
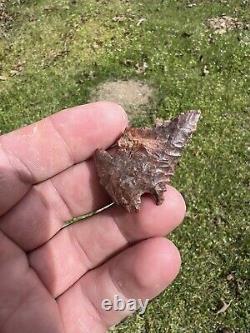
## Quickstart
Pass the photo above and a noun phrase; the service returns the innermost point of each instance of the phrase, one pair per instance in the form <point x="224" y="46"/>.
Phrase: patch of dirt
<point x="224" y="23"/>
<point x="131" y="95"/>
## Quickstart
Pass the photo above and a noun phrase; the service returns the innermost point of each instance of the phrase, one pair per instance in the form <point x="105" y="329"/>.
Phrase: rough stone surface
<point x="143" y="160"/>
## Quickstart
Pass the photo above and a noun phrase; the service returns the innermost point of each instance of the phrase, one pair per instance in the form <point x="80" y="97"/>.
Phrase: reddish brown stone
<point x="143" y="160"/>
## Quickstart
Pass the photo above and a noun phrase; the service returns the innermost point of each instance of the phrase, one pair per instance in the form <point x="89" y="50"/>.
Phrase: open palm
<point x="54" y="280"/>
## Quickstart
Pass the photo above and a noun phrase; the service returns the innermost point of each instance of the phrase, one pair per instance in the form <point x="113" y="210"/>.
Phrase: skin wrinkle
<point x="116" y="224"/>
<point x="97" y="312"/>
<point x="47" y="207"/>
<point x="128" y="238"/>
<point x="13" y="207"/>
<point x="82" y="250"/>
<point x="67" y="158"/>
<point x="25" y="272"/>
<point x="117" y="290"/>
<point x="117" y="285"/>
<point x="42" y="198"/>
<point x="90" y="265"/>
<point x="59" y="195"/>
<point x="40" y="278"/>
<point x="123" y="241"/>
<point x="22" y="253"/>
<point x="25" y="176"/>
<point x="67" y="146"/>
<point x="91" y="310"/>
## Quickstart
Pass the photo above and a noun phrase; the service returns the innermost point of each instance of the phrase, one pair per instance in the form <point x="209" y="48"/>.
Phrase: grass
<point x="52" y="54"/>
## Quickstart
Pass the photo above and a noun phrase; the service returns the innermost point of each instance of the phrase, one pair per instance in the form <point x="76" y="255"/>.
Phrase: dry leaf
<point x="140" y="21"/>
<point x="141" y="68"/>
<point x="224" y="307"/>
<point x="120" y="18"/>
<point x="205" y="70"/>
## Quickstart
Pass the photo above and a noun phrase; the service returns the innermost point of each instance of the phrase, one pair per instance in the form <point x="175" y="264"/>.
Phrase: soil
<point x="131" y="95"/>
<point x="224" y="23"/>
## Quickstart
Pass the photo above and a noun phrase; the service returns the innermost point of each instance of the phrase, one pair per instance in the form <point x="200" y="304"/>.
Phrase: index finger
<point x="37" y="152"/>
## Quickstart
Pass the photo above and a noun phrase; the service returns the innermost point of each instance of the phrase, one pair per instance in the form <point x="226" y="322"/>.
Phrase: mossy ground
<point x="52" y="56"/>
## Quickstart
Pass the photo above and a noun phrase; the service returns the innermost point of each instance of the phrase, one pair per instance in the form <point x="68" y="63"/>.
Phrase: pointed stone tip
<point x="193" y="114"/>
<point x="192" y="117"/>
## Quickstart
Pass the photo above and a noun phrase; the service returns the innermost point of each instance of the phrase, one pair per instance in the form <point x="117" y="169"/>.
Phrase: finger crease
<point x="114" y="219"/>
<point x="60" y="196"/>
<point x="115" y="283"/>
<point x="25" y="176"/>
<point x="68" y="149"/>
<point x="79" y="246"/>
<point x="97" y="312"/>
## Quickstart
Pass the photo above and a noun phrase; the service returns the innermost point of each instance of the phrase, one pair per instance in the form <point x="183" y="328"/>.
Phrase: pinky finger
<point x="139" y="273"/>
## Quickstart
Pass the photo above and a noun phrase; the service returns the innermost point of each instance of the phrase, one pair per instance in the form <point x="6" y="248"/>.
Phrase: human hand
<point x="53" y="280"/>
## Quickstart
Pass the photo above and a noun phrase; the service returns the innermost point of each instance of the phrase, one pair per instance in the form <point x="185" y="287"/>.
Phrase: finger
<point x="87" y="245"/>
<point x="39" y="151"/>
<point x="140" y="272"/>
<point x="45" y="208"/>
<point x="23" y="298"/>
